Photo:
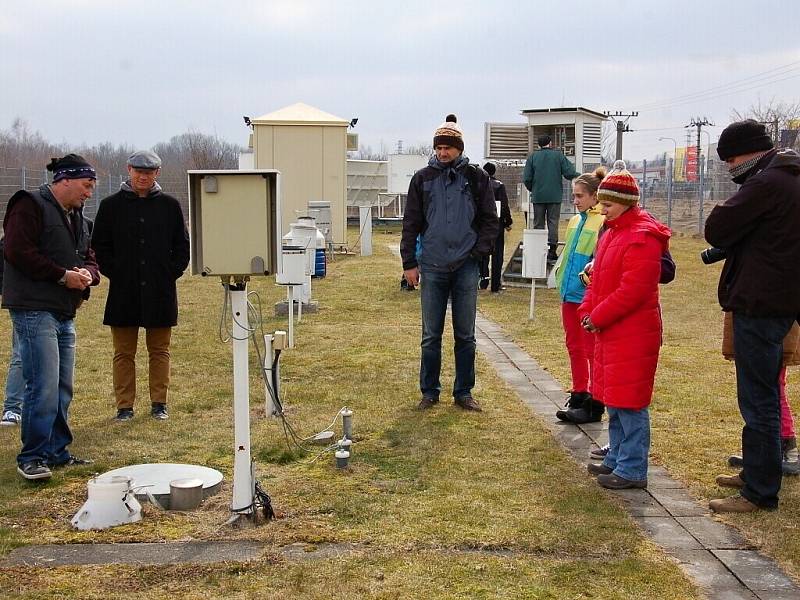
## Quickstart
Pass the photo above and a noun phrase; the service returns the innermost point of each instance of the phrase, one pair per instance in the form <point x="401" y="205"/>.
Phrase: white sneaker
<point x="10" y="418"/>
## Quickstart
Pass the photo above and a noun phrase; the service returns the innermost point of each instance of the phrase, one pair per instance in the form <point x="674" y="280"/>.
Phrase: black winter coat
<point x="142" y="246"/>
<point x="759" y="227"/>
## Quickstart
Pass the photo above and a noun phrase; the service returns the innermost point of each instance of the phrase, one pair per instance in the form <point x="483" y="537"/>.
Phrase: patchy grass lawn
<point x="695" y="419"/>
<point x="443" y="504"/>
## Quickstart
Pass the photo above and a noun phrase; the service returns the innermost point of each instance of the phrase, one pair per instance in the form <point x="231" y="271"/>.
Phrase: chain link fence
<point x="13" y="179"/>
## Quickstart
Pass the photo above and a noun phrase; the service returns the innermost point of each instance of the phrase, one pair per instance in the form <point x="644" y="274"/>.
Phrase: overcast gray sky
<point x="142" y="71"/>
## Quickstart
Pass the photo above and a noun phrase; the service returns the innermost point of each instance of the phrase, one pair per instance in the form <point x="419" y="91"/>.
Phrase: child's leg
<point x="787" y="420"/>
<point x="574" y="336"/>
<point x="634" y="446"/>
<point x="614" y="438"/>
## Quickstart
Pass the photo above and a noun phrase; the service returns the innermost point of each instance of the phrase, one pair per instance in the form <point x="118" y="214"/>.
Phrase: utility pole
<point x="699" y="123"/>
<point x="621" y="122"/>
<point x="700" y="174"/>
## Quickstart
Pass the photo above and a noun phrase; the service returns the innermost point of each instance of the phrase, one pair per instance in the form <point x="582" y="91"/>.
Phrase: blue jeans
<point x="629" y="442"/>
<point x="461" y="288"/>
<point x="47" y="348"/>
<point x="758" y="348"/>
<point x="15" y="384"/>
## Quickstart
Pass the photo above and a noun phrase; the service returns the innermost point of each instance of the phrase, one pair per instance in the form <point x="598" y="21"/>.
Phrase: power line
<point x="737" y="82"/>
<point x="739" y="85"/>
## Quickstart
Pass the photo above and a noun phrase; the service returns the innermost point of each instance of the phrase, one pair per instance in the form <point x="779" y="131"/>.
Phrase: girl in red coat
<point x="621" y="308"/>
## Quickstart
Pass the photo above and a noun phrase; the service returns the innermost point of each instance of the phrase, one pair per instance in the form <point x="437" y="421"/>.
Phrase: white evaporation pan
<point x="155" y="478"/>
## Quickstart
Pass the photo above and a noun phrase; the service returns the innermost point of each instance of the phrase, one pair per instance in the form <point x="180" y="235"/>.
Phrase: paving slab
<point x="708" y="571"/>
<point x="713" y="534"/>
<point x="757" y="572"/>
<point x="668" y="533"/>
<point x="54" y="555"/>
<point x="639" y="503"/>
<point x="678" y="502"/>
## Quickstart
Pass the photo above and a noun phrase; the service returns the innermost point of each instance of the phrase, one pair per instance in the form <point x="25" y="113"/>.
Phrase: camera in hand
<point x="712" y="255"/>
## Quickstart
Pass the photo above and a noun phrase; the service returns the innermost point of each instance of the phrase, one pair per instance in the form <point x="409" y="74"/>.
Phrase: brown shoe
<point x="615" y="482"/>
<point x="427" y="402"/>
<point x="733" y="504"/>
<point x="731" y="481"/>
<point x="468" y="403"/>
<point x="599" y="469"/>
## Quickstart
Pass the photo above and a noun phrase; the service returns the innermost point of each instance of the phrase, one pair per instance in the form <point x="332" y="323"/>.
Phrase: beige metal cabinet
<point x="309" y="148"/>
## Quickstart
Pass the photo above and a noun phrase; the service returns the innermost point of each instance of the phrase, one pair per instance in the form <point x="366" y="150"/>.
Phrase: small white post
<point x="243" y="483"/>
<point x="531" y="315"/>
<point x="269" y="357"/>
<point x="290" y="293"/>
<point x="365" y="227"/>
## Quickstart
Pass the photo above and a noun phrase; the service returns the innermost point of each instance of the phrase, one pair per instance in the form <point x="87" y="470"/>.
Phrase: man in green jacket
<point x="542" y="176"/>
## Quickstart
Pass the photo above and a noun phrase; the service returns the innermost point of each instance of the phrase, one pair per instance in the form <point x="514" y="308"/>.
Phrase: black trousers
<point x="497" y="262"/>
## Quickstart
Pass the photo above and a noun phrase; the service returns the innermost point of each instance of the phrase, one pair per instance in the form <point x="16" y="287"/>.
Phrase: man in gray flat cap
<point x="142" y="246"/>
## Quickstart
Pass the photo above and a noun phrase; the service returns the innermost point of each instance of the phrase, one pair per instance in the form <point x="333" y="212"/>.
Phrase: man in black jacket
<point x="48" y="269"/>
<point x="450" y="207"/>
<point x="759" y="229"/>
<point x="142" y="246"/>
<point x="501" y="199"/>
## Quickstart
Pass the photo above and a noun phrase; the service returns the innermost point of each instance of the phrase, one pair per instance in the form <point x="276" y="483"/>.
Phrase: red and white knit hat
<point x="619" y="186"/>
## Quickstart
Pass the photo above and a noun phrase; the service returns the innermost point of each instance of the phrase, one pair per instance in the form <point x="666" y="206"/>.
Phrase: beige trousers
<point x="124" y="364"/>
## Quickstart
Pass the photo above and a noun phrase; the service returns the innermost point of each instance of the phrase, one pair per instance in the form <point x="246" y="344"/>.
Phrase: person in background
<point x="142" y="246"/>
<point x="583" y="232"/>
<point x="542" y="176"/>
<point x="499" y="245"/>
<point x="621" y="307"/>
<point x="451" y="207"/>
<point x="15" y="384"/>
<point x="48" y="269"/>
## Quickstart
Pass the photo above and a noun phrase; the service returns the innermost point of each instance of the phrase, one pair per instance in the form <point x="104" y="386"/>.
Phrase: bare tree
<point x="21" y="147"/>
<point x="421" y="149"/>
<point x="776" y="115"/>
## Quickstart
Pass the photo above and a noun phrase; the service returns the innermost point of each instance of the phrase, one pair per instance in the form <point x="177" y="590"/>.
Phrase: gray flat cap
<point x="144" y="159"/>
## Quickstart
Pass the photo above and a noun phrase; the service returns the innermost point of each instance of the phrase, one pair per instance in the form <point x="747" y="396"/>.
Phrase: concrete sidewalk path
<point x="713" y="554"/>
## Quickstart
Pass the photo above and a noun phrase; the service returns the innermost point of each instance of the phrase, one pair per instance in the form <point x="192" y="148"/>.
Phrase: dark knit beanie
<point x="449" y="134"/>
<point x="71" y="166"/>
<point x="619" y="186"/>
<point x="490" y="168"/>
<point x="743" y="137"/>
<point x="544" y="140"/>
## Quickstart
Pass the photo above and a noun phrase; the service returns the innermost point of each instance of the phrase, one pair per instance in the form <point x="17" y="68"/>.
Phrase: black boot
<point x="590" y="411"/>
<point x="551" y="253"/>
<point x="576" y="407"/>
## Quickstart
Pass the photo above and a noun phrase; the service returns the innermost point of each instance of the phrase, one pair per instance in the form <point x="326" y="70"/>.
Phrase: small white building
<point x="576" y="131"/>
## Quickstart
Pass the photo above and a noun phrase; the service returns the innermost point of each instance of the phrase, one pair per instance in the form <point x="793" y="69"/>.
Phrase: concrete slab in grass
<point x="639" y="503"/>
<point x="713" y="534"/>
<point x="54" y="555"/>
<point x="657" y="477"/>
<point x="571" y="437"/>
<point x="710" y="573"/>
<point x="758" y="573"/>
<point x="678" y="502"/>
<point x="667" y="533"/>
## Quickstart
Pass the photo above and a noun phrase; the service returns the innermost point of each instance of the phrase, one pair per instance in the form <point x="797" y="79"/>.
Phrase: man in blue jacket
<point x="451" y="207"/>
<point x="542" y="176"/>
